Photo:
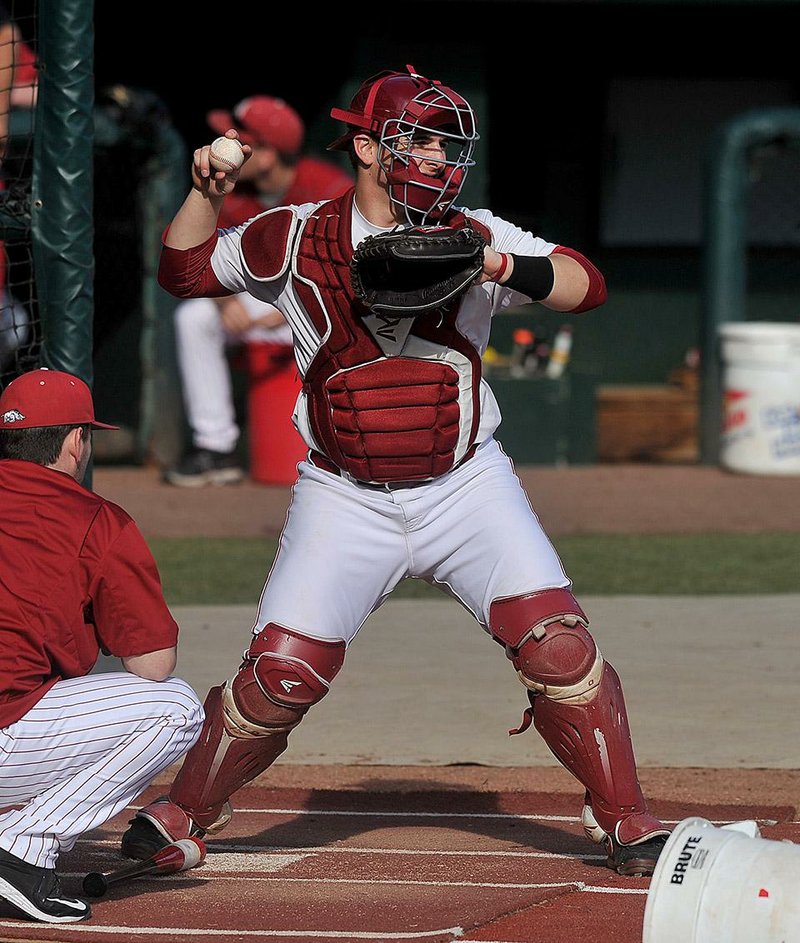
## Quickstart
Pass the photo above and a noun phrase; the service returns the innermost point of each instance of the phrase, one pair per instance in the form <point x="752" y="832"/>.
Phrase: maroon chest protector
<point x="380" y="418"/>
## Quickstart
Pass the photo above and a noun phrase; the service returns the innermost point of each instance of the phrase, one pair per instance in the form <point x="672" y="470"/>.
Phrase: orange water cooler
<point x="273" y="384"/>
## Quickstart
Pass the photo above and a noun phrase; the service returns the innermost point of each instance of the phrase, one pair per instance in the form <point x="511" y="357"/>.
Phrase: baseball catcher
<point x="390" y="291"/>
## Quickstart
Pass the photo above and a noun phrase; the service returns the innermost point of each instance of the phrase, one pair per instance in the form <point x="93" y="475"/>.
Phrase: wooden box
<point x="651" y="423"/>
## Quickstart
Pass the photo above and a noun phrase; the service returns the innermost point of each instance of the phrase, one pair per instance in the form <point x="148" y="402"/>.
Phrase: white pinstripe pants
<point x="87" y="749"/>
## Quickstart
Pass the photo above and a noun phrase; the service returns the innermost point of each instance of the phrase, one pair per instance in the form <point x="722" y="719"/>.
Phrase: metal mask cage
<point x="432" y="112"/>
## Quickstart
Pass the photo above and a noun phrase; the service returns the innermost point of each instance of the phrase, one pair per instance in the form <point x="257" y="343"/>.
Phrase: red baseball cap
<point x="47" y="398"/>
<point x="262" y="120"/>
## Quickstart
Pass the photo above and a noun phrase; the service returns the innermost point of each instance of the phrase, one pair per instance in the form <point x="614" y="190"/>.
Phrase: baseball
<point x="226" y="154"/>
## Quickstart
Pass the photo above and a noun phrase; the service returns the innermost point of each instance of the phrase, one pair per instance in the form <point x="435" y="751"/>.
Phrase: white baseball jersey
<point x="478" y="306"/>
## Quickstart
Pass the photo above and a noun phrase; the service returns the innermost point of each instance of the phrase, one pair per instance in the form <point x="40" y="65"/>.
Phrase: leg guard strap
<point x="514" y="620"/>
<point x="632" y="830"/>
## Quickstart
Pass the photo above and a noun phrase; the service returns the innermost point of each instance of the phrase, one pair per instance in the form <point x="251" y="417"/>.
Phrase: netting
<point x="20" y="329"/>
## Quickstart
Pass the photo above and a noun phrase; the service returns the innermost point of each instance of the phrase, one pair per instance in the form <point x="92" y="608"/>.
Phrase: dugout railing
<point x="751" y="241"/>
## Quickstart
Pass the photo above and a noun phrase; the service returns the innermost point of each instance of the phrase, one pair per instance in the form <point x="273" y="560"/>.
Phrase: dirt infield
<point x="611" y="499"/>
<point x="383" y="855"/>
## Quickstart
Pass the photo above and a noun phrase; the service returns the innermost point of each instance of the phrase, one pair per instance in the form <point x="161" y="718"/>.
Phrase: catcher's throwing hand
<point x="408" y="272"/>
<point x="211" y="182"/>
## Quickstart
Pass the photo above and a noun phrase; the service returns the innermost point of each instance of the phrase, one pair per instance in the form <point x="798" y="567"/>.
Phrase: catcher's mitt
<point x="407" y="272"/>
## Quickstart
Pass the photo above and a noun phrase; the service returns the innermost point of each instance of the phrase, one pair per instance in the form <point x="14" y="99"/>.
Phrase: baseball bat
<point x="177" y="856"/>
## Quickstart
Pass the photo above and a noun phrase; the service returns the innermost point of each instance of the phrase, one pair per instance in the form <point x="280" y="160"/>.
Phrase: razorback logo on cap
<point x="44" y="397"/>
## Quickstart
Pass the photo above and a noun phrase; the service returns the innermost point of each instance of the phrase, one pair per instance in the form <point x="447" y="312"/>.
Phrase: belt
<point x="322" y="461"/>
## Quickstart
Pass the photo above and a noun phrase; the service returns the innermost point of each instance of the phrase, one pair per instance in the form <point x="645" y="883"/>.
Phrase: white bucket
<point x="761" y="397"/>
<point x="724" y="885"/>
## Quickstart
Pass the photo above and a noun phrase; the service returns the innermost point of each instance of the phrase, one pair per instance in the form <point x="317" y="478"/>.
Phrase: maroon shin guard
<point x="218" y="764"/>
<point x="593" y="742"/>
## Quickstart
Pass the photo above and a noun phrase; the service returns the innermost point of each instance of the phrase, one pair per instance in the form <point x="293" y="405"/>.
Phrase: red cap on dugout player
<point x="261" y="119"/>
<point x="47" y="398"/>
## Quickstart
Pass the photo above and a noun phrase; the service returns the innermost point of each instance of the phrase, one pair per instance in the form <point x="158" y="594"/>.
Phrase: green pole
<point x="62" y="188"/>
<point x="62" y="185"/>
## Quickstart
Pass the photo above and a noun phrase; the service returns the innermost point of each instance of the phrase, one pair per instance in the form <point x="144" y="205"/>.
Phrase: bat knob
<point x="95" y="884"/>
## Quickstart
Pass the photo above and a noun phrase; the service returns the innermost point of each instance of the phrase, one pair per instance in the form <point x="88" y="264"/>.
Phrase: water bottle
<point x="559" y="355"/>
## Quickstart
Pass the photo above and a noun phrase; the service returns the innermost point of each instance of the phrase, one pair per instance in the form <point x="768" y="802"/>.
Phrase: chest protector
<point x="405" y="417"/>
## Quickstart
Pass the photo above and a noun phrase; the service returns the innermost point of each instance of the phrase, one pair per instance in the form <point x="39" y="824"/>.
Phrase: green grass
<point x="225" y="571"/>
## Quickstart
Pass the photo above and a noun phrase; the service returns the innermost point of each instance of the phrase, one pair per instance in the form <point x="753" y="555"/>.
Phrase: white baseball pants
<point x="346" y="546"/>
<point x="85" y="751"/>
<point x="202" y="344"/>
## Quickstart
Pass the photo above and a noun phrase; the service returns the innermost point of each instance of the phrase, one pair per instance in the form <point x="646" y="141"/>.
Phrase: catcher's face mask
<point x="405" y="113"/>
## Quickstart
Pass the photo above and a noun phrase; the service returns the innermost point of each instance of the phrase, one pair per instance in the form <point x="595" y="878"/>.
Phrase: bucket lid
<point x="761" y="331"/>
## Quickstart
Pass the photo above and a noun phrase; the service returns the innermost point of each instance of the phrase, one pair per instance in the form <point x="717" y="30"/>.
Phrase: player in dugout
<point x="404" y="476"/>
<point x="77" y="577"/>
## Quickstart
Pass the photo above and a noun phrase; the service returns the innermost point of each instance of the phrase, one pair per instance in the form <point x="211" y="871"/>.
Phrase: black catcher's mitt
<point x="407" y="272"/>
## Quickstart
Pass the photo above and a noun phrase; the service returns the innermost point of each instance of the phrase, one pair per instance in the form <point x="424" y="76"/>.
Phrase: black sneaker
<point x="637" y="860"/>
<point x="142" y="839"/>
<point x="37" y="892"/>
<point x="162" y="822"/>
<point x="205" y="467"/>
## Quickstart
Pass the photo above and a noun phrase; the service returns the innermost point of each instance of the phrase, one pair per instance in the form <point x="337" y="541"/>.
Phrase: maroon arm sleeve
<point x="596" y="294"/>
<point x="131" y="616"/>
<point x="187" y="273"/>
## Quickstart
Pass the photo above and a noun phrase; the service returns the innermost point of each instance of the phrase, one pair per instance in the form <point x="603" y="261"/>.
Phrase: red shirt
<point x="314" y="180"/>
<point x="75" y="576"/>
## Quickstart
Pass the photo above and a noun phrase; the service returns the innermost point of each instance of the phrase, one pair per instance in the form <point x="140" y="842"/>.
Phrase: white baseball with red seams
<point x="226" y="154"/>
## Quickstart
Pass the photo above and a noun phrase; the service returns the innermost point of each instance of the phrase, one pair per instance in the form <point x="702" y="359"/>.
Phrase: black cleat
<point x="142" y="840"/>
<point x="162" y="822"/>
<point x="156" y="826"/>
<point x="204" y="467"/>
<point x="37" y="892"/>
<point x="635" y="860"/>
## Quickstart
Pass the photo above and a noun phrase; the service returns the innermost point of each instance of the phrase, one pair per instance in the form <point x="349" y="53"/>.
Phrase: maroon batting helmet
<point x="393" y="107"/>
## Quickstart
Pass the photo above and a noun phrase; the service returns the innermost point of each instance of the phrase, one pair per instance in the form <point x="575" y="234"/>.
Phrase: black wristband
<point x="533" y="276"/>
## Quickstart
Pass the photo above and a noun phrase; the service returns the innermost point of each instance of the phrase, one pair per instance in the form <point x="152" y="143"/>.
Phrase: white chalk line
<point x="395" y="814"/>
<point x="494" y="885"/>
<point x="181" y="932"/>
<point x="511" y="816"/>
<point x="250" y="852"/>
<point x="204" y="874"/>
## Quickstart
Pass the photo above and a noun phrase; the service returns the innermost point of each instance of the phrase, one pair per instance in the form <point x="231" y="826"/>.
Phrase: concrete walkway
<point x="709" y="682"/>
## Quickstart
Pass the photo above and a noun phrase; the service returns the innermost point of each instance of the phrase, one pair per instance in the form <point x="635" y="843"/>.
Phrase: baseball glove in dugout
<point x="407" y="272"/>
